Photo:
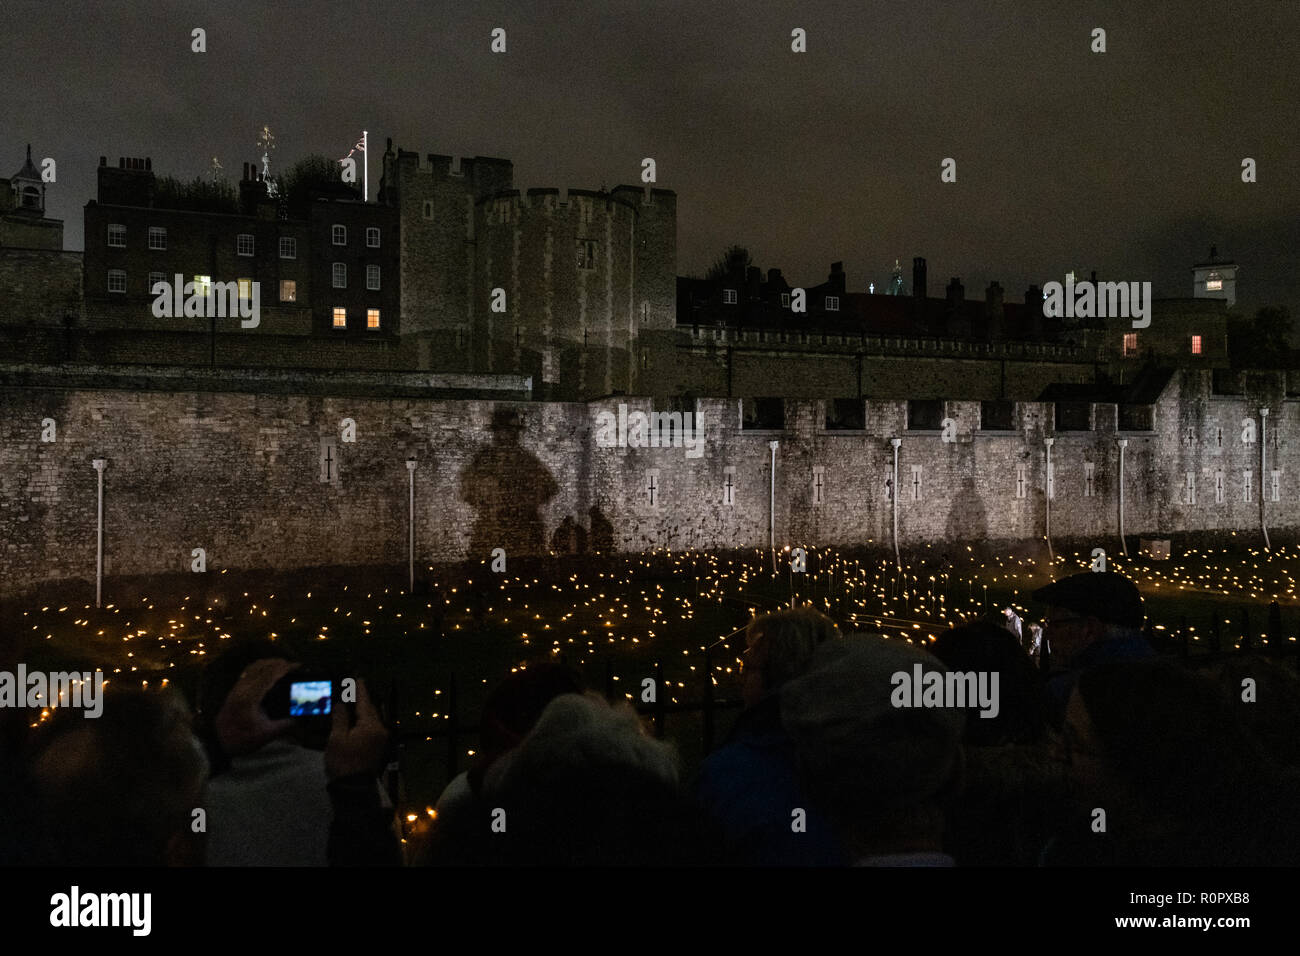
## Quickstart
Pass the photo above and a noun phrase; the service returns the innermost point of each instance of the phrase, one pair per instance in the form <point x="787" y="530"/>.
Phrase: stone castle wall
<point x="240" y="475"/>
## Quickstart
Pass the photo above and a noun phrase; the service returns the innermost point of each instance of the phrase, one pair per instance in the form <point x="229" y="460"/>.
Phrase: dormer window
<point x="1214" y="282"/>
<point x="728" y="296"/>
<point x="31" y="198"/>
<point x="832" y="303"/>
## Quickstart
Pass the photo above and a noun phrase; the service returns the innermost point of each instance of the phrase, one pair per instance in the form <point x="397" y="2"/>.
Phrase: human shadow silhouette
<point x="507" y="486"/>
<point x="602" y="532"/>
<point x="569" y="538"/>
<point x="968" y="519"/>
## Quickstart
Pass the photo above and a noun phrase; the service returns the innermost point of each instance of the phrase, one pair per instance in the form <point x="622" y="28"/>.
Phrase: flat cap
<point x="1105" y="595"/>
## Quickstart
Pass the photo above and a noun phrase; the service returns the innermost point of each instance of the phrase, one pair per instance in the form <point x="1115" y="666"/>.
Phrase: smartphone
<point x="310" y="698"/>
<point x="302" y="694"/>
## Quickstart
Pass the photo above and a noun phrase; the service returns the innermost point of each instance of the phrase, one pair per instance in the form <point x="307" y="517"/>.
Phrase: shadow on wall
<point x="572" y="538"/>
<point x="507" y="486"/>
<point x="967" y="518"/>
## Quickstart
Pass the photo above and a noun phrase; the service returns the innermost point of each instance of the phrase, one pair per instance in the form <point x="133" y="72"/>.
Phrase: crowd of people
<point x="1099" y="753"/>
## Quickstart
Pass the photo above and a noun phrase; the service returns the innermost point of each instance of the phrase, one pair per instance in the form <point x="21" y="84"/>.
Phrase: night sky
<point x="1127" y="162"/>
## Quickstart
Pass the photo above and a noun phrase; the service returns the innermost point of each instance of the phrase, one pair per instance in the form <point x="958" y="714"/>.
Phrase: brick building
<point x="740" y="335"/>
<point x="319" y="269"/>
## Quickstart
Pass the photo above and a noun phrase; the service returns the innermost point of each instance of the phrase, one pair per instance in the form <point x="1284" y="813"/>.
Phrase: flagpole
<point x="364" y="144"/>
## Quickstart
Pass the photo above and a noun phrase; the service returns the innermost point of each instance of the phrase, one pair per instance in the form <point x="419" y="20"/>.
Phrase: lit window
<point x="728" y="296"/>
<point x="340" y="235"/>
<point x="832" y="303"/>
<point x="203" y="285"/>
<point x="340" y="275"/>
<point x="372" y="237"/>
<point x="154" y="279"/>
<point x="372" y="278"/>
<point x="157" y="237"/>
<point x="288" y="290"/>
<point x="288" y="247"/>
<point x="1214" y="282"/>
<point x="1130" y="343"/>
<point x="116" y="280"/>
<point x="785" y="300"/>
<point x="245" y="290"/>
<point x="1196" y="345"/>
<point x="340" y="317"/>
<point x="372" y="318"/>
<point x="117" y="235"/>
<point x="244" y="244"/>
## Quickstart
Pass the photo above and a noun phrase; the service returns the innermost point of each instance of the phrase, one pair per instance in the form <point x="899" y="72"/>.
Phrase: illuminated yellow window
<point x="1214" y="282"/>
<point x="372" y="318"/>
<point x="340" y="317"/>
<point x="203" y="284"/>
<point x="1130" y="343"/>
<point x="245" y="290"/>
<point x="1196" y="345"/>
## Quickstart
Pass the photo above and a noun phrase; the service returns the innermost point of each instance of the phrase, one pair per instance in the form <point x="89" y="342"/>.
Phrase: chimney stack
<point x="956" y="294"/>
<point x="918" y="277"/>
<point x="994" y="312"/>
<point x="1034" y="306"/>
<point x="836" y="278"/>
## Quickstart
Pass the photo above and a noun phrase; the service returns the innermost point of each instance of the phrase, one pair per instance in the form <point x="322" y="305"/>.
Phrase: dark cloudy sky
<point x="1126" y="162"/>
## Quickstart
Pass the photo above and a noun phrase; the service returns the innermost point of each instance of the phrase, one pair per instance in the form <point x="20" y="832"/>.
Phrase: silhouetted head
<point x="1154" y="745"/>
<point x="1085" y="609"/>
<point x="780" y="646"/>
<point x="985" y="647"/>
<point x="513" y="708"/>
<point x="114" y="790"/>
<point x="587" y="786"/>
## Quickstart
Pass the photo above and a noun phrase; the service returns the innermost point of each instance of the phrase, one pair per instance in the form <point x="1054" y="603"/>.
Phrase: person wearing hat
<point x="883" y="770"/>
<point x="1091" y="617"/>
